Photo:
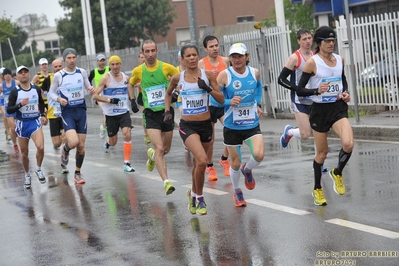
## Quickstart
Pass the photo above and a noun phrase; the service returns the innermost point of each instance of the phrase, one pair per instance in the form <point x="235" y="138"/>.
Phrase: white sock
<point x="235" y="178"/>
<point x="38" y="168"/>
<point x="251" y="164"/>
<point x="194" y="195"/>
<point x="166" y="180"/>
<point x="295" y="132"/>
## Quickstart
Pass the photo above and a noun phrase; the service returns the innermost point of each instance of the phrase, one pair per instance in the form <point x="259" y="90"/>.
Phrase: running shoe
<point x="318" y="197"/>
<point x="8" y="137"/>
<point x="105" y="146"/>
<point x="169" y="188"/>
<point x="40" y="176"/>
<point x="249" y="179"/>
<point x="324" y="169"/>
<point x="338" y="181"/>
<point x="226" y="166"/>
<point x="27" y="183"/>
<point x="150" y="161"/>
<point x="238" y="198"/>
<point x="201" y="206"/>
<point x="79" y="178"/>
<point x="191" y="203"/>
<point x="64" y="156"/>
<point x="103" y="131"/>
<point x="64" y="169"/>
<point x="285" y="138"/>
<point x="16" y="150"/>
<point x="147" y="139"/>
<point x="211" y="172"/>
<point x="127" y="168"/>
<point x="5" y="132"/>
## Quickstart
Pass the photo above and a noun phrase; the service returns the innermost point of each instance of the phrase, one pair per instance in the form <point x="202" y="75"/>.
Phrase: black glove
<point x="133" y="104"/>
<point x="114" y="101"/>
<point x="201" y="83"/>
<point x="175" y="95"/>
<point x="168" y="118"/>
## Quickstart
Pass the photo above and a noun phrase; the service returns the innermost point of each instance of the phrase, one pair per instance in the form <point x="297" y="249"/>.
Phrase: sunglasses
<point x="328" y="40"/>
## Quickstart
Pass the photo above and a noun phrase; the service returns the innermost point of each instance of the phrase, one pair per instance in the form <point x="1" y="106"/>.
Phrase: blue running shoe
<point x="324" y="169"/>
<point x="285" y="138"/>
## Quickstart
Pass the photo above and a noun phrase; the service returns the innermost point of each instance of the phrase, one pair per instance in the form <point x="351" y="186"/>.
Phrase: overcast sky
<point x="18" y="8"/>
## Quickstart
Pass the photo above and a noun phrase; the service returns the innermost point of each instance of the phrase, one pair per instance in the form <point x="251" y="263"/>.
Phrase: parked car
<point x="384" y="74"/>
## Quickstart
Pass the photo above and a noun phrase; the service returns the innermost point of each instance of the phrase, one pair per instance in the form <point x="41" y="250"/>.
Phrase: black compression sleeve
<point x="283" y="81"/>
<point x="344" y="81"/>
<point x="301" y="90"/>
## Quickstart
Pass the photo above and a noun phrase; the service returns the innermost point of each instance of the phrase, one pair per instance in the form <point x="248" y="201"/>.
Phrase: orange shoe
<point x="239" y="200"/>
<point x="16" y="150"/>
<point x="211" y="172"/>
<point x="226" y="166"/>
<point x="249" y="179"/>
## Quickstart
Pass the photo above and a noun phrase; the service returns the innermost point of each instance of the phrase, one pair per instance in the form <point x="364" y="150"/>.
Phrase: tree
<point x="297" y="16"/>
<point x="17" y="37"/>
<point x="128" y="22"/>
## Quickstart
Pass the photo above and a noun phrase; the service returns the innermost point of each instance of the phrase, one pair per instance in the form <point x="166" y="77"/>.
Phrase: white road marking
<point x="210" y="190"/>
<point x="365" y="228"/>
<point x="156" y="177"/>
<point x="277" y="207"/>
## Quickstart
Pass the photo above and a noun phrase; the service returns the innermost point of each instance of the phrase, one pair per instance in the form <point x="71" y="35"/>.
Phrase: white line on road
<point x="365" y="228"/>
<point x="210" y="190"/>
<point x="277" y="207"/>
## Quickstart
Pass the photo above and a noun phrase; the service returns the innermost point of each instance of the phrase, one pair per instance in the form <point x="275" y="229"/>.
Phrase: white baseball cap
<point x="1" y="70"/>
<point x="238" y="48"/>
<point x="43" y="61"/>
<point x="22" y="67"/>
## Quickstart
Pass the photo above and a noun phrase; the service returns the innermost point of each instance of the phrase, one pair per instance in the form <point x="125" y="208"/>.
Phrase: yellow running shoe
<point x="192" y="207"/>
<point x="201" y="206"/>
<point x="169" y="188"/>
<point x="338" y="181"/>
<point x="147" y="139"/>
<point x="150" y="161"/>
<point x="318" y="197"/>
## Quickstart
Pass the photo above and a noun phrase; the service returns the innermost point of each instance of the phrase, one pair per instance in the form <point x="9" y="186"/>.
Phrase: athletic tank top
<point x="153" y="86"/>
<point x="98" y="76"/>
<point x="194" y="100"/>
<point x="116" y="89"/>
<point x="245" y="115"/>
<point x="6" y="91"/>
<point x="221" y="66"/>
<point x="31" y="110"/>
<point x="326" y="73"/>
<point x="295" y="77"/>
<point x="71" y="88"/>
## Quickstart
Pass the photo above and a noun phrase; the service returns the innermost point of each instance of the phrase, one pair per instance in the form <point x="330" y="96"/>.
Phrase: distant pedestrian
<point x="324" y="73"/>
<point x="26" y="101"/>
<point x="68" y="88"/>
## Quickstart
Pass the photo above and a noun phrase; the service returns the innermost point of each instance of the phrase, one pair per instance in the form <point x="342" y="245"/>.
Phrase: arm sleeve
<point x="344" y="81"/>
<point x="283" y="81"/>
<point x="91" y="76"/>
<point x="217" y="104"/>
<point x="301" y="90"/>
<point x="12" y="99"/>
<point x="41" y="102"/>
<point x="53" y="92"/>
<point x="87" y="84"/>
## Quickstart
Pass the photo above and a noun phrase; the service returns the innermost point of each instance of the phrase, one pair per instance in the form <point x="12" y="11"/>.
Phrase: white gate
<point x="375" y="52"/>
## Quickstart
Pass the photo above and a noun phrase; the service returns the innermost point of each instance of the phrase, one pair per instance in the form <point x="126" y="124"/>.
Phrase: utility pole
<point x="192" y="19"/>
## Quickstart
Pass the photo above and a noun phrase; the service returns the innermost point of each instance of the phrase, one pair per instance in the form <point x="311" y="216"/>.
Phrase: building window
<point x="244" y="19"/>
<point x="53" y="46"/>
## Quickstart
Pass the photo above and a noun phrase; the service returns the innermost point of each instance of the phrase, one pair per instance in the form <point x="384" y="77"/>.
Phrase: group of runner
<point x="206" y="90"/>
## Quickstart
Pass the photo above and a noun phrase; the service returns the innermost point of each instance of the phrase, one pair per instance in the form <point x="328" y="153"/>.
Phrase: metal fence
<point x="375" y="46"/>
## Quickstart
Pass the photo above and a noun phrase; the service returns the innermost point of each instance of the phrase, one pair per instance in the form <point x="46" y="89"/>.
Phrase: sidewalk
<point x="383" y="126"/>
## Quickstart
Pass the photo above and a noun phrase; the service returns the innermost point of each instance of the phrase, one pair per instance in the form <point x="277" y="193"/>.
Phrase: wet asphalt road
<point x="126" y="219"/>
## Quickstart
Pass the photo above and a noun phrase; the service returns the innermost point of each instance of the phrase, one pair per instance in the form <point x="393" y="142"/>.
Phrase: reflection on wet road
<point x="126" y="219"/>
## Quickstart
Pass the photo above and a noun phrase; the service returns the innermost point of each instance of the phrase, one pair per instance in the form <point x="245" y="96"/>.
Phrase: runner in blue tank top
<point x="242" y="90"/>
